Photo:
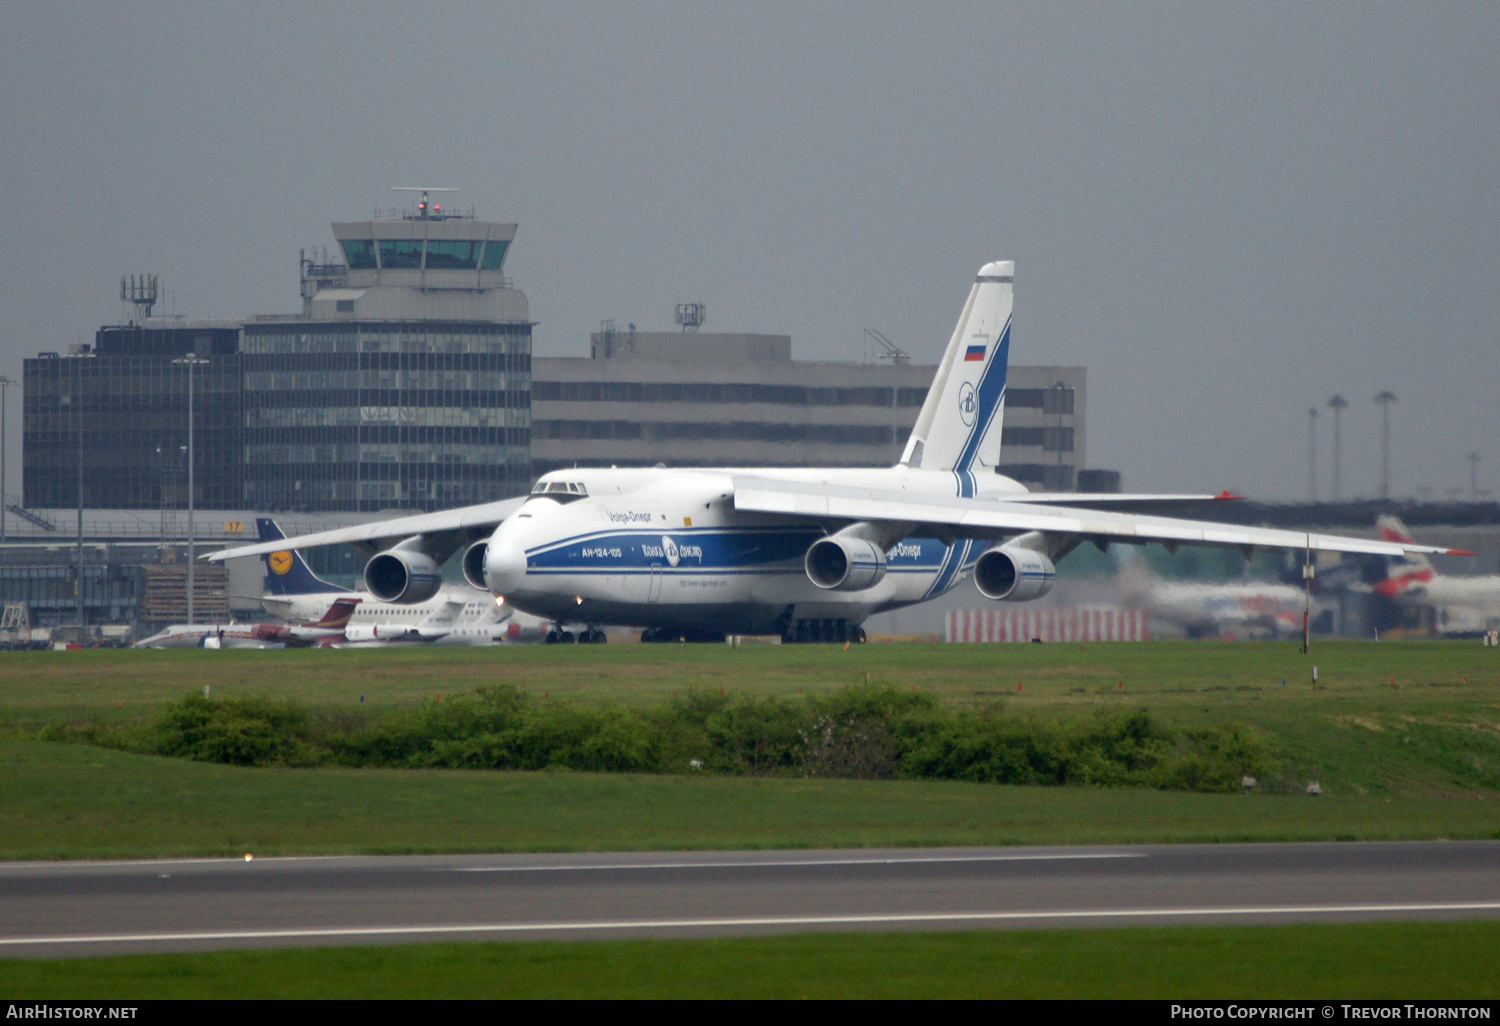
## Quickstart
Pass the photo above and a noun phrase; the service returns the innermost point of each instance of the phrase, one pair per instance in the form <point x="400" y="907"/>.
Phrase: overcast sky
<point x="1226" y="213"/>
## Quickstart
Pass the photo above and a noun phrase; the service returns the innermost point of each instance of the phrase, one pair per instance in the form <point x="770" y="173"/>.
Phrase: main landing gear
<point x="588" y="636"/>
<point x="672" y="635"/>
<point x="828" y="632"/>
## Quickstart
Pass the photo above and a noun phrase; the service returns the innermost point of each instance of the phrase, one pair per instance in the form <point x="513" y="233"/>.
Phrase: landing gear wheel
<point x="857" y="635"/>
<point x="552" y="637"/>
<point x="566" y="637"/>
<point x="598" y="637"/>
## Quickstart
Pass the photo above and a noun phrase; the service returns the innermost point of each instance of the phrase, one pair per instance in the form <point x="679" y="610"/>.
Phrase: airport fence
<point x="1083" y="623"/>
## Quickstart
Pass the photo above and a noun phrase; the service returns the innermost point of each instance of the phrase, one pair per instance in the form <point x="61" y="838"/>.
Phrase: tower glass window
<point x="452" y="256"/>
<point x="494" y="255"/>
<point x="400" y="254"/>
<point x="359" y="254"/>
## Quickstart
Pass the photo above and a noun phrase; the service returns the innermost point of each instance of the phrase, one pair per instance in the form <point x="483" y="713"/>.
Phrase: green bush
<point x="862" y="732"/>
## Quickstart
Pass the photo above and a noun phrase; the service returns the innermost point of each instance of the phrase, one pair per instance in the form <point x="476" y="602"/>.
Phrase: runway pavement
<point x="62" y="909"/>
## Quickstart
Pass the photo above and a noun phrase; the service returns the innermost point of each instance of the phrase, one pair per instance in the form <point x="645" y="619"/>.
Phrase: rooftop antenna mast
<point x="690" y="316"/>
<point x="425" y="210"/>
<point x="141" y="291"/>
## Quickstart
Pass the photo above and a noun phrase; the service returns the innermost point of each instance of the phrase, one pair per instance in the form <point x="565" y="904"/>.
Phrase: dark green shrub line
<point x="866" y="732"/>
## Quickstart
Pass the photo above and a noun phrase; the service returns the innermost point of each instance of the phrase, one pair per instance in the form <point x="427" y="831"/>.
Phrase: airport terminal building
<point x="713" y="399"/>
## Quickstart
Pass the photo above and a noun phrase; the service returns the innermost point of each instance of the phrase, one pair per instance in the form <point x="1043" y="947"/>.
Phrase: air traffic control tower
<point x="406" y="380"/>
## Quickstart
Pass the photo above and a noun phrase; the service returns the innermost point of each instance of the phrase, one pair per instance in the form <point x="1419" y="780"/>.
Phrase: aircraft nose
<point x="504" y="566"/>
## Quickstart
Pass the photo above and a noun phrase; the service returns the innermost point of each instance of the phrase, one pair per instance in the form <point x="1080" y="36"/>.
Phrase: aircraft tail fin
<point x="1402" y="573"/>
<point x="444" y="615"/>
<point x="958" y="428"/>
<point x="287" y="573"/>
<point x="338" y="613"/>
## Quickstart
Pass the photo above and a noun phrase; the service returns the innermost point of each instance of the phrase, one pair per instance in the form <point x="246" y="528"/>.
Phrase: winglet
<point x="1461" y="552"/>
<point x="1226" y="495"/>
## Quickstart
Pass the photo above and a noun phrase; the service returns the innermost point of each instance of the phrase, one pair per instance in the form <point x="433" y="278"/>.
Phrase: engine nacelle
<point x="403" y="576"/>
<point x="474" y="565"/>
<point x="842" y="563"/>
<point x="375" y="632"/>
<point x="1008" y="574"/>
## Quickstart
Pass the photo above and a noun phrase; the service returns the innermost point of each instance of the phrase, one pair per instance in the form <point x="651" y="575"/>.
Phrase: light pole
<point x="1474" y="458"/>
<point x="1057" y="399"/>
<point x="78" y="413"/>
<point x="1385" y="399"/>
<point x="1337" y="404"/>
<point x="1312" y="454"/>
<point x="4" y="384"/>
<point x="190" y="361"/>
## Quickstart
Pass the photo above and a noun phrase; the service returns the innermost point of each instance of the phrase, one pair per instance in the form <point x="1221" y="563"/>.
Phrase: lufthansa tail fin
<point x="287" y="573"/>
<point x="959" y="426"/>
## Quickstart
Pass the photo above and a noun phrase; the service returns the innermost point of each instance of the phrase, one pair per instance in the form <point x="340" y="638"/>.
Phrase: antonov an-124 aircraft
<point x="698" y="553"/>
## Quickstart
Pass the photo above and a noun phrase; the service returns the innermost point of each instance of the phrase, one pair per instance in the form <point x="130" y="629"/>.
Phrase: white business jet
<point x="807" y="553"/>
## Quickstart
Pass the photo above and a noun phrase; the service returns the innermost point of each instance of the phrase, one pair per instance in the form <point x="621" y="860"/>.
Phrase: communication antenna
<point x="141" y="291"/>
<point x="425" y="211"/>
<point x="690" y="316"/>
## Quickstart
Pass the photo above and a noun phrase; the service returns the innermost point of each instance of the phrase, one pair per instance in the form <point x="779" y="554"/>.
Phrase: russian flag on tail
<point x="974" y="354"/>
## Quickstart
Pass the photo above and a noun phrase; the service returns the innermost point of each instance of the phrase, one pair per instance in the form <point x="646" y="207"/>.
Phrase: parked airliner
<point x="328" y="628"/>
<point x="456" y="614"/>
<point x="806" y="553"/>
<point x="1461" y="605"/>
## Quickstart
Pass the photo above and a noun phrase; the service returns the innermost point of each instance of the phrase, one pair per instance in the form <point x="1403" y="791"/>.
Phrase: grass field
<point x="1417" y="758"/>
<point x="74" y="801"/>
<point x="1208" y="678"/>
<point x="1381" y="960"/>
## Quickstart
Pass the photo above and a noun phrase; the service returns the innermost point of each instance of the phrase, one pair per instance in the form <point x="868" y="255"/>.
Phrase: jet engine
<point x="844" y="563"/>
<point x="403" y="576"/>
<point x="375" y="632"/>
<point x="474" y="565"/>
<point x="1012" y="574"/>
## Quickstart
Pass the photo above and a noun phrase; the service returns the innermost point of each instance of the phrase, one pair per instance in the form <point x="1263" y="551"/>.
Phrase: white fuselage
<point x="211" y="635"/>
<point x="477" y="605"/>
<point x="1250" y="606"/>
<point x="667" y="548"/>
<point x="456" y="615"/>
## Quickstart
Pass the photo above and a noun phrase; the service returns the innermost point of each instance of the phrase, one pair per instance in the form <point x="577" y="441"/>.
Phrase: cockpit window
<point x="559" y="491"/>
<point x="564" y="487"/>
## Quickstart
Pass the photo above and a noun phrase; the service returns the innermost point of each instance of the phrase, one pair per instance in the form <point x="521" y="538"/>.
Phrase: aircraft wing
<point x="1120" y="502"/>
<point x="466" y="518"/>
<point x="986" y="518"/>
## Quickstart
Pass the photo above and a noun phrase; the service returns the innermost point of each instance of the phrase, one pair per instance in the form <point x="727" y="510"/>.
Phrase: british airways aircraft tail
<point x="959" y="426"/>
<point x="286" y="572"/>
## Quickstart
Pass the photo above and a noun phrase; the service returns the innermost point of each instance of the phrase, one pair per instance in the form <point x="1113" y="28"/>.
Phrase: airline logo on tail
<point x="289" y="572"/>
<point x="1403" y="573"/>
